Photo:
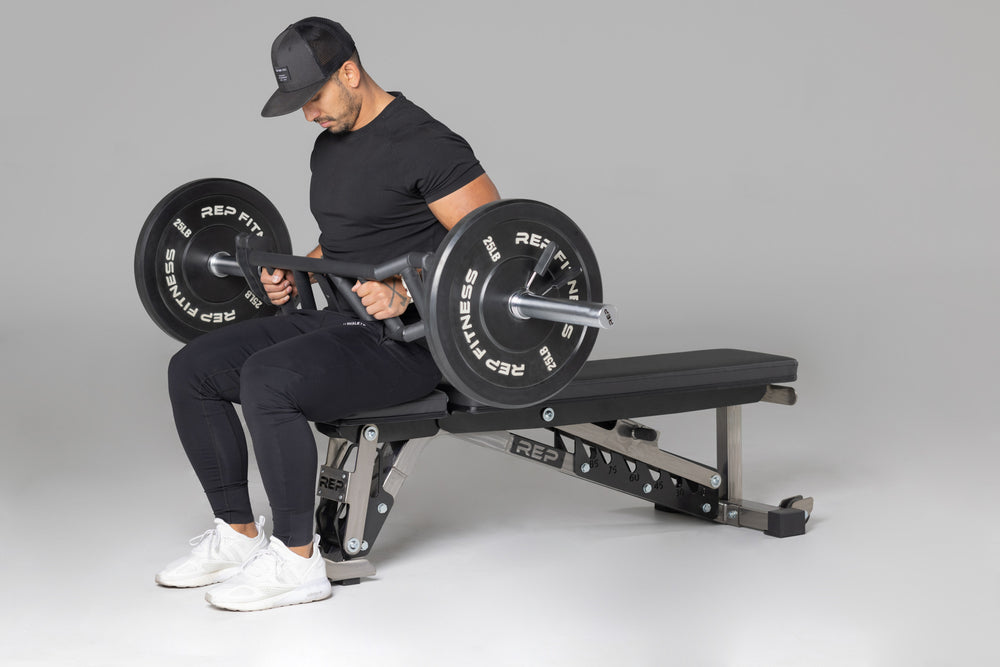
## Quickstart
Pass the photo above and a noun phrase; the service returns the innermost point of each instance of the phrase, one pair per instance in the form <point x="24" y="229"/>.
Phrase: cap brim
<point x="282" y="102"/>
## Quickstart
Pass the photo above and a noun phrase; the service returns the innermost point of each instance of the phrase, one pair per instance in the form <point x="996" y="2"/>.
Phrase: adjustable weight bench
<point x="594" y="436"/>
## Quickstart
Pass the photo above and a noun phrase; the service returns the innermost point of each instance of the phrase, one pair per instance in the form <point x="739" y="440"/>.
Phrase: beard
<point x="345" y="122"/>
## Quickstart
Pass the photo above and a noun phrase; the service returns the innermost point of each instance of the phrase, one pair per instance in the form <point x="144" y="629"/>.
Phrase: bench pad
<point x="648" y="379"/>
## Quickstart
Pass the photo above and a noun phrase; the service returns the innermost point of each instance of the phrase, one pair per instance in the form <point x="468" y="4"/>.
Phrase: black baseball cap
<point x="304" y="56"/>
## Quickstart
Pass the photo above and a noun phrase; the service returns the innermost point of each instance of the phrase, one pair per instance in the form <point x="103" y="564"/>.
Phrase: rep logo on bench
<point x="537" y="451"/>
<point x="332" y="483"/>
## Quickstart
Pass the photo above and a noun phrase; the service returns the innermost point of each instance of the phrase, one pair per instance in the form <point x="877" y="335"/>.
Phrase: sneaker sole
<point x="197" y="582"/>
<point x="309" y="593"/>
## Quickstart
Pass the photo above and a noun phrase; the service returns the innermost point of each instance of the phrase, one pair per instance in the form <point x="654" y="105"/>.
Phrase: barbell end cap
<point x="609" y="315"/>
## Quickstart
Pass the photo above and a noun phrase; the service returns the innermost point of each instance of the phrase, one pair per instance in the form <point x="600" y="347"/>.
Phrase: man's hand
<point x="280" y="285"/>
<point x="383" y="300"/>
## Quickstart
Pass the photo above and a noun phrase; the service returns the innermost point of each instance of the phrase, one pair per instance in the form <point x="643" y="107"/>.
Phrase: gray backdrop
<point x="812" y="179"/>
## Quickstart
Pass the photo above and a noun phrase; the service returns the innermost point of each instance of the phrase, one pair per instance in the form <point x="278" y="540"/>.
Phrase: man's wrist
<point x="406" y="289"/>
<point x="398" y="290"/>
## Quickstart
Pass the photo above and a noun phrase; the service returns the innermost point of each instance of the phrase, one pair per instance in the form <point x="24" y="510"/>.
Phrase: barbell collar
<point x="525" y="305"/>
<point x="222" y="264"/>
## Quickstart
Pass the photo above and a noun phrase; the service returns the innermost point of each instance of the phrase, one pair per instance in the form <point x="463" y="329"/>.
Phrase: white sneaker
<point x="218" y="555"/>
<point x="274" y="577"/>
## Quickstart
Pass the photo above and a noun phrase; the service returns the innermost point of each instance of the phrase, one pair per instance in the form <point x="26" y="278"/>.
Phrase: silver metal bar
<point x="636" y="450"/>
<point x="780" y="395"/>
<point x="526" y="305"/>
<point x="744" y="513"/>
<point x="751" y="514"/>
<point x="222" y="264"/>
<point x="646" y="452"/>
<point x="406" y="461"/>
<point x="499" y="440"/>
<point x="355" y="568"/>
<point x="729" y="450"/>
<point x="336" y="452"/>
<point x="504" y="441"/>
<point x="358" y="490"/>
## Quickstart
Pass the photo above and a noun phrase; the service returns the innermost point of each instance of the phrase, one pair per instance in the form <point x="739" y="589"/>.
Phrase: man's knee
<point x="266" y="386"/>
<point x="185" y="369"/>
<point x="198" y="367"/>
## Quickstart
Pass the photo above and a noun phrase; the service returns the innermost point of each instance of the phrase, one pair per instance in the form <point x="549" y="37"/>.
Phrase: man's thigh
<point x="345" y="367"/>
<point x="217" y="357"/>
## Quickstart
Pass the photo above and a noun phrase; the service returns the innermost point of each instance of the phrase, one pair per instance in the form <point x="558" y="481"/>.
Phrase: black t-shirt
<point x="370" y="187"/>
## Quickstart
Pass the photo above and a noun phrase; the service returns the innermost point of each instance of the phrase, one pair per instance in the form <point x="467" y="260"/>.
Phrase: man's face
<point x="335" y="107"/>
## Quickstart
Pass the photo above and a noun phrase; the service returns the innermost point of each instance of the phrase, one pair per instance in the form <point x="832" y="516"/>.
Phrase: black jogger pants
<point x="285" y="371"/>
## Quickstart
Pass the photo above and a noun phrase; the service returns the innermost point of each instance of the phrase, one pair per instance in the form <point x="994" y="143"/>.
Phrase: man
<point x="387" y="179"/>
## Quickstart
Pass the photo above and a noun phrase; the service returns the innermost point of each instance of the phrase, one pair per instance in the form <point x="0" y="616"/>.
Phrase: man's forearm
<point x="315" y="253"/>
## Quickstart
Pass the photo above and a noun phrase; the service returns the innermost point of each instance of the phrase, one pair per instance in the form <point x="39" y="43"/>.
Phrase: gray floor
<point x="490" y="560"/>
<point x="811" y="179"/>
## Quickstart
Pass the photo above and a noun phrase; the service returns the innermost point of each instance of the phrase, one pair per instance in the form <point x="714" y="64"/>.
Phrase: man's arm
<point x="452" y="208"/>
<point x="385" y="300"/>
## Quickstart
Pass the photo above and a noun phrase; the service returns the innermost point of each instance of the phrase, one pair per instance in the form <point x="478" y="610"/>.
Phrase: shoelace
<point x="211" y="534"/>
<point x="276" y="566"/>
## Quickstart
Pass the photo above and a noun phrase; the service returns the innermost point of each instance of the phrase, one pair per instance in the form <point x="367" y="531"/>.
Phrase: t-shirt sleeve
<point x="440" y="162"/>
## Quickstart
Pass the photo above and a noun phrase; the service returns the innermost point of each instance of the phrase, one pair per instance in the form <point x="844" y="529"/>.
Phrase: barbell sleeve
<point x="526" y="305"/>
<point x="222" y="264"/>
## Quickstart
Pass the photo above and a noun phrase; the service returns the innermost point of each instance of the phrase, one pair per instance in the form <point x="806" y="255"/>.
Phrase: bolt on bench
<point x="510" y="307"/>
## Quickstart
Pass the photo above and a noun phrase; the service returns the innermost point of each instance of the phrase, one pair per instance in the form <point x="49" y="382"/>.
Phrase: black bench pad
<point x="604" y="389"/>
<point x="675" y="371"/>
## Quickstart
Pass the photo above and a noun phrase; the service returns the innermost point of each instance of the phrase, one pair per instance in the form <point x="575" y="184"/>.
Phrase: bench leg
<point x="356" y="500"/>
<point x="786" y="520"/>
<point x="729" y="450"/>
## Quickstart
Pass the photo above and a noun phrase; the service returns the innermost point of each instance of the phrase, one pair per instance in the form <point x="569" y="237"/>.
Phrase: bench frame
<point x="369" y="460"/>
